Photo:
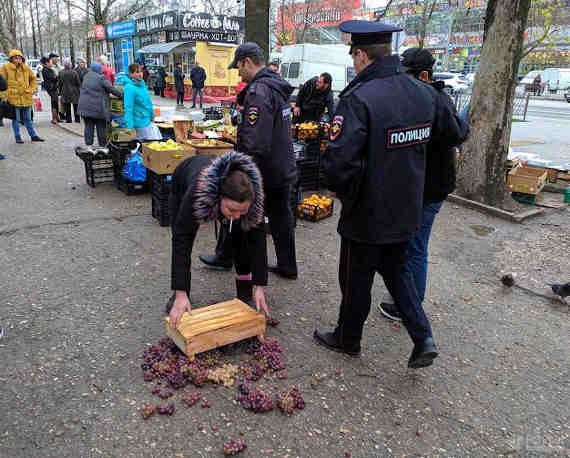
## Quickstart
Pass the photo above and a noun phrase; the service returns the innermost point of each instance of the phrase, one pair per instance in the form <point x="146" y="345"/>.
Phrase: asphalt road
<point x="548" y="109"/>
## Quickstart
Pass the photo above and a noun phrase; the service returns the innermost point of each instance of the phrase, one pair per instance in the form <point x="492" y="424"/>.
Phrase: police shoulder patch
<point x="253" y="115"/>
<point x="407" y="136"/>
<point x="336" y="127"/>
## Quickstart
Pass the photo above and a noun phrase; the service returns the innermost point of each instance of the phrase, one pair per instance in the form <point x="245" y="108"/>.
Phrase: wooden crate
<point x="214" y="326"/>
<point x="526" y="180"/>
<point x="551" y="174"/>
<point x="219" y="148"/>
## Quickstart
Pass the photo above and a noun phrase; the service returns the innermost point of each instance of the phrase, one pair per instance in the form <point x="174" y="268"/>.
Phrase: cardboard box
<point x="526" y="180"/>
<point x="211" y="327"/>
<point x="164" y="162"/>
<point x="123" y="135"/>
<point x="219" y="148"/>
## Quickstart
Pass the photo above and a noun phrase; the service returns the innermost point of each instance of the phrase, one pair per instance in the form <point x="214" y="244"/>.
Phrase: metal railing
<point x="520" y="103"/>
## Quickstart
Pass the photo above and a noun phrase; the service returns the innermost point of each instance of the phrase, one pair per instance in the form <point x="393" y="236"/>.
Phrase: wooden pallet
<point x="216" y="325"/>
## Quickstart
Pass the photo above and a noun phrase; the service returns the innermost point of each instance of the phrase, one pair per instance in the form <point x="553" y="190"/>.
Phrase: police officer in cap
<point x="375" y="162"/>
<point x="264" y="132"/>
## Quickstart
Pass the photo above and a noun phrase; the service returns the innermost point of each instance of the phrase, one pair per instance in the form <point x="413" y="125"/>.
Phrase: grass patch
<point x="518" y="120"/>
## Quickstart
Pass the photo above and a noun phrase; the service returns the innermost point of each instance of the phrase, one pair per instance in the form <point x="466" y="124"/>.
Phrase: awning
<point x="162" y="48"/>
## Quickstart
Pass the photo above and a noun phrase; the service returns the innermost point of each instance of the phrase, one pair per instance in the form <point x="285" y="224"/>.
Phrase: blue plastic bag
<point x="134" y="170"/>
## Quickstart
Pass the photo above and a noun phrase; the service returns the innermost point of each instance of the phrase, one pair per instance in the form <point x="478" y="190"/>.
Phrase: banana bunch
<point x="163" y="146"/>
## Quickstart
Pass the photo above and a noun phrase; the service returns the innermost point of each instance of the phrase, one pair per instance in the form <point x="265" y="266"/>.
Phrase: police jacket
<point x="375" y="160"/>
<point x="195" y="199"/>
<point x="264" y="131"/>
<point x="313" y="102"/>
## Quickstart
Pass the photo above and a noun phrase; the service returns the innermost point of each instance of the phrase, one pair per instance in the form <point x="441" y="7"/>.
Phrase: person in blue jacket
<point x="139" y="112"/>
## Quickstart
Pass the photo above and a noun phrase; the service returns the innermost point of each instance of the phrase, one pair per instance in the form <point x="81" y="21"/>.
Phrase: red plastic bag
<point x="38" y="104"/>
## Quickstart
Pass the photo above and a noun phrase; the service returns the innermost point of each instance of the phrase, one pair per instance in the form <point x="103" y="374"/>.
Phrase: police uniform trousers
<point x="358" y="264"/>
<point x="282" y="226"/>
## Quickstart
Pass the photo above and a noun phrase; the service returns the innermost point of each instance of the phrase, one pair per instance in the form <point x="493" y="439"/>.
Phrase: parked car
<point x="567" y="97"/>
<point x="470" y="78"/>
<point x="454" y="82"/>
<point x="555" y="79"/>
<point x="532" y="80"/>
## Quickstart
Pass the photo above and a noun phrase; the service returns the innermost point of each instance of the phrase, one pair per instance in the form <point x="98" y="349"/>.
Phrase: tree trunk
<point x="39" y="28"/>
<point x="480" y="171"/>
<point x="87" y="47"/>
<point x="257" y="23"/>
<point x="34" y="41"/>
<point x="58" y="30"/>
<point x="70" y="33"/>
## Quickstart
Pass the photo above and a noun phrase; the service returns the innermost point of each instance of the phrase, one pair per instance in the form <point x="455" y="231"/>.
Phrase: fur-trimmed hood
<point x="207" y="192"/>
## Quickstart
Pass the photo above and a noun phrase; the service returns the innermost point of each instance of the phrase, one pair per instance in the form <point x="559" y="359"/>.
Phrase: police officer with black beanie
<point x="375" y="162"/>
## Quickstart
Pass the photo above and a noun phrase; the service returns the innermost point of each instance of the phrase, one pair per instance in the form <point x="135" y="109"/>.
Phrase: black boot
<point x="216" y="262"/>
<point x="423" y="354"/>
<point x="244" y="290"/>
<point x="329" y="340"/>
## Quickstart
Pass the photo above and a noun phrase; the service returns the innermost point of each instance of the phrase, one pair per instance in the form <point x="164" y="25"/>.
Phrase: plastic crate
<point x="160" y="184"/>
<point x="160" y="211"/>
<point x="213" y="113"/>
<point x="314" y="213"/>
<point x="529" y="199"/>
<point x="98" y="167"/>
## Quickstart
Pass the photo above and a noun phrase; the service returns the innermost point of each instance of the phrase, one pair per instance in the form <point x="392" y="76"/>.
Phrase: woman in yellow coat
<point x="22" y="84"/>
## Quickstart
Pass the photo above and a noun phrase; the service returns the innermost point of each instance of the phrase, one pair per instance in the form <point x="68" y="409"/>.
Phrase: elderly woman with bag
<point x="22" y="84"/>
<point x="94" y="105"/>
<point x="69" y="87"/>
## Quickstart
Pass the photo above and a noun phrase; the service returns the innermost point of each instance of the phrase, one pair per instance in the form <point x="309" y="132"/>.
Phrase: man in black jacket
<point x="440" y="172"/>
<point x="375" y="162"/>
<point x="198" y="77"/>
<point x="179" y="84"/>
<point x="264" y="132"/>
<point x="314" y="97"/>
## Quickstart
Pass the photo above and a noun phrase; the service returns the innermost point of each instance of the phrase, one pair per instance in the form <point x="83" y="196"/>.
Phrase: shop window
<point x="284" y="69"/>
<point x="294" y="70"/>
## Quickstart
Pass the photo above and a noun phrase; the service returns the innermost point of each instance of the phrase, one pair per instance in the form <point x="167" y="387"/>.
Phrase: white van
<point x="302" y="62"/>
<point x="555" y="79"/>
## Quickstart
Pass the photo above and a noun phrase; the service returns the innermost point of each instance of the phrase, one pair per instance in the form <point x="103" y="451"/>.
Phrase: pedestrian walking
<point x="440" y="170"/>
<point x="160" y="82"/>
<point x="51" y="86"/>
<point x="205" y="188"/>
<point x="94" y="105"/>
<point x="375" y="162"/>
<point x="3" y="87"/>
<point x="107" y="70"/>
<point x="69" y="88"/>
<point x="264" y="133"/>
<point x="179" y="84"/>
<point x="198" y="77"/>
<point x="81" y="69"/>
<point x="21" y="84"/>
<point x="139" y="111"/>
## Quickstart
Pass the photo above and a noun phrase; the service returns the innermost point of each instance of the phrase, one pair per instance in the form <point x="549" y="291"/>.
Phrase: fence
<point x="520" y="103"/>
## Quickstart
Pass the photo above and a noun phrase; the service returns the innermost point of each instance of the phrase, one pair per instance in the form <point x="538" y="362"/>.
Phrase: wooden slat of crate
<point x="552" y="174"/>
<point x="214" y="326"/>
<point x="526" y="180"/>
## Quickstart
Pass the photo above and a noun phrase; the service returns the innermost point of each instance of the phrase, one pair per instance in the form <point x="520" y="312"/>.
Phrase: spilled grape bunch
<point x="233" y="447"/>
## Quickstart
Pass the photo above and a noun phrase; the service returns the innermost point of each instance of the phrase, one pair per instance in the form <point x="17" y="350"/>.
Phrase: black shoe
<point x="37" y="139"/>
<point x="193" y="106"/>
<point x="19" y="140"/>
<point x="328" y="340"/>
<point x="215" y="262"/>
<point x="423" y="354"/>
<point x="278" y="271"/>
<point x="389" y="311"/>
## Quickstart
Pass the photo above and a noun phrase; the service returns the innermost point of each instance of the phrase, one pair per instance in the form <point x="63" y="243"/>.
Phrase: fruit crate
<point x="522" y="198"/>
<point x="313" y="212"/>
<point x="213" y="113"/>
<point x="526" y="180"/>
<point x="160" y="184"/>
<point x="98" y="167"/>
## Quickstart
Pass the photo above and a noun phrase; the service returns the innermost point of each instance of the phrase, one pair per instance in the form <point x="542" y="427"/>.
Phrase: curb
<point x="68" y="129"/>
<point x="494" y="211"/>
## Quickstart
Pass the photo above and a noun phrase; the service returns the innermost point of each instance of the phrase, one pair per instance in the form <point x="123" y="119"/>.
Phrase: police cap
<point x="368" y="32"/>
<point x="246" y="50"/>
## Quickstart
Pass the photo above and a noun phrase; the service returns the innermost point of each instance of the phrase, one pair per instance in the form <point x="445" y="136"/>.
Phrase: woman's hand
<point x="181" y="305"/>
<point x="259" y="299"/>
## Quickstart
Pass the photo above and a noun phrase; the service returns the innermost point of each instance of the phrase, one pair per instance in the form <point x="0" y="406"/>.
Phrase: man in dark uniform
<point x="314" y="97"/>
<point x="264" y="132"/>
<point x="375" y="162"/>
